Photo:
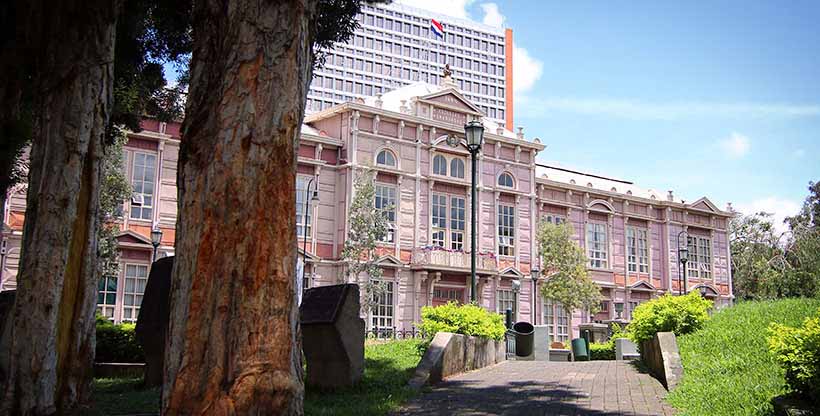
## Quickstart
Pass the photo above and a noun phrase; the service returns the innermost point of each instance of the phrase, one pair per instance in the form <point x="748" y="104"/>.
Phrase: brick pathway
<point x="545" y="388"/>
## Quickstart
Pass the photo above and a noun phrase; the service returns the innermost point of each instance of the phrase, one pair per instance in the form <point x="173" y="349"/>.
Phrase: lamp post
<point x="683" y="257"/>
<point x="474" y="134"/>
<point x="314" y="197"/>
<point x="703" y="291"/>
<point x="156" y="239"/>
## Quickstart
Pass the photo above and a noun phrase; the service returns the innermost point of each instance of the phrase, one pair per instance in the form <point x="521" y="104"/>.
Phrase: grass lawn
<point x="388" y="367"/>
<point x="727" y="366"/>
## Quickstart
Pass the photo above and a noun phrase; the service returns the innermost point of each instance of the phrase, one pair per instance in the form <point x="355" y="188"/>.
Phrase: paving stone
<point x="545" y="388"/>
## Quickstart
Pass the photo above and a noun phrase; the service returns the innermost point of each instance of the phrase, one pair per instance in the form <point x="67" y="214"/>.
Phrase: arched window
<point x="439" y="165"/>
<point x="457" y="168"/>
<point x="505" y="180"/>
<point x="386" y="158"/>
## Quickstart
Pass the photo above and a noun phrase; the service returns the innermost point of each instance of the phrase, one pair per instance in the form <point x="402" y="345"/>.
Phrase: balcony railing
<point x="435" y="256"/>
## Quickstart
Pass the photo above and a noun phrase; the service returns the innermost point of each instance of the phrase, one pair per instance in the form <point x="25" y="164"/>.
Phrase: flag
<point x="437" y="28"/>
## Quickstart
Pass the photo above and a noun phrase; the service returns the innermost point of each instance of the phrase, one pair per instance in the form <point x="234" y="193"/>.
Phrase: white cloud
<point x="736" y="145"/>
<point x="641" y="110"/>
<point x="492" y="17"/>
<point x="526" y="70"/>
<point x="779" y="208"/>
<point x="455" y="8"/>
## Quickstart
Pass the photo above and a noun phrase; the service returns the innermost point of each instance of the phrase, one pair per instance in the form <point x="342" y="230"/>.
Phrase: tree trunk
<point x="233" y="325"/>
<point x="50" y="351"/>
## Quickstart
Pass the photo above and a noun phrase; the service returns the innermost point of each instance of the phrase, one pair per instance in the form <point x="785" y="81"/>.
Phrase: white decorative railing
<point x="436" y="256"/>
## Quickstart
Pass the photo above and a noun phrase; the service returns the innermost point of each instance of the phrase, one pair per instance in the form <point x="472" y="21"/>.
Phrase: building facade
<point x="395" y="46"/>
<point x="423" y="184"/>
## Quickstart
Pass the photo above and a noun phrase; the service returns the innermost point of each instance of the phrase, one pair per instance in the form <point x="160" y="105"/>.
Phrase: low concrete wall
<point x="119" y="370"/>
<point x="661" y="355"/>
<point x="451" y="354"/>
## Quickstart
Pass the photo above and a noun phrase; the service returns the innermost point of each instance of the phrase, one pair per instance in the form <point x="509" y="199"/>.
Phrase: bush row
<point x="117" y="343"/>
<point x="797" y="350"/>
<point x="466" y="319"/>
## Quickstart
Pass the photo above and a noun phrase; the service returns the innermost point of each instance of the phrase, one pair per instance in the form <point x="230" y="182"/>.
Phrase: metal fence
<point x="393" y="333"/>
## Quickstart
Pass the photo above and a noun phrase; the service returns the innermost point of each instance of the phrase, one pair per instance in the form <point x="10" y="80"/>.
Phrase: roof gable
<point x="511" y="272"/>
<point x="450" y="97"/>
<point x="705" y="204"/>
<point x="389" y="261"/>
<point x="129" y="236"/>
<point x="642" y="285"/>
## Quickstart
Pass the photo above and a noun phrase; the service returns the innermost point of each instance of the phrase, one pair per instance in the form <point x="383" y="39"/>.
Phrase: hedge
<point x="678" y="314"/>
<point x="117" y="343"/>
<point x="462" y="319"/>
<point x="797" y="350"/>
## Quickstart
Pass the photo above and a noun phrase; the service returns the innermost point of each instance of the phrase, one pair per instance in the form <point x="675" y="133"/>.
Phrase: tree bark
<point x="48" y="357"/>
<point x="233" y="326"/>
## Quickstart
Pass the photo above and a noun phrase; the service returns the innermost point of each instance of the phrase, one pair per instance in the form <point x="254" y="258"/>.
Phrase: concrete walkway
<point x="545" y="388"/>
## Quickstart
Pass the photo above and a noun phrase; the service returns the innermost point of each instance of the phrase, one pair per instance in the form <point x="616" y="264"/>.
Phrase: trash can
<point x="524" y="338"/>
<point x="579" y="349"/>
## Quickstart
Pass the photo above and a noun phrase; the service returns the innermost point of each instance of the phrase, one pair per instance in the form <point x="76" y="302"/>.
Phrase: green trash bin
<point x="579" y="349"/>
<point x="524" y="338"/>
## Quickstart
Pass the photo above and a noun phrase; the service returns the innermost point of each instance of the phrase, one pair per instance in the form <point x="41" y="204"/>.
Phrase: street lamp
<point x="156" y="239"/>
<point x="683" y="257"/>
<point x="619" y="309"/>
<point x="703" y="291"/>
<point x="474" y="133"/>
<point x="314" y="198"/>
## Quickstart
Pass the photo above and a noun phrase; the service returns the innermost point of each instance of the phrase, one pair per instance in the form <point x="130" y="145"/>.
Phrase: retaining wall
<point x="451" y="354"/>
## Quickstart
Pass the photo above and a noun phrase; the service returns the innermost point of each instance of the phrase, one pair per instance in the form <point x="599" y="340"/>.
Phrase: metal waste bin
<point x="524" y="338"/>
<point x="579" y="349"/>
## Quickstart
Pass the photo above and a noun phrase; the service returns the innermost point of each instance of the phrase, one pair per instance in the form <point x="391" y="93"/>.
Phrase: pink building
<point x="628" y="233"/>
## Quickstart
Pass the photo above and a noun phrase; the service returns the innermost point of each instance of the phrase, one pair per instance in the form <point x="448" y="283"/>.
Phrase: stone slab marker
<point x="332" y="336"/>
<point x="661" y="355"/>
<point x="152" y="323"/>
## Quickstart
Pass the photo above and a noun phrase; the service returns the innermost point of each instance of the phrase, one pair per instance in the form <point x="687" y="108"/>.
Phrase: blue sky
<point x="717" y="99"/>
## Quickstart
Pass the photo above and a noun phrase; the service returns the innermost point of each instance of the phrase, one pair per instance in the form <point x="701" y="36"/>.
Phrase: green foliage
<point x="797" y="350"/>
<point x="564" y="263"/>
<point x="678" y="314"/>
<point x="467" y="319"/>
<point x="728" y="369"/>
<point x="368" y="226"/>
<point x="117" y="343"/>
<point x="606" y="350"/>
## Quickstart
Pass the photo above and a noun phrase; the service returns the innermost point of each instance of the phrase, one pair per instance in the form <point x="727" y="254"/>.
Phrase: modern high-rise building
<point x="396" y="45"/>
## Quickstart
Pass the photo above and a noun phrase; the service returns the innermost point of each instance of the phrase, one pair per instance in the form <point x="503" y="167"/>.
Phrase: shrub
<point x="467" y="319"/>
<point x="797" y="350"/>
<point x="602" y="351"/>
<point x="678" y="314"/>
<point x="117" y="343"/>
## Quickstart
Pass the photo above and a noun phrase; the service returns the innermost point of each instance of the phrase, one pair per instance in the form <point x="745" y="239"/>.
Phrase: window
<point x="506" y="230"/>
<point x="382" y="316"/>
<point x="597" y="245"/>
<point x="506" y="300"/>
<point x="604" y="307"/>
<point x="553" y="219"/>
<point x="457" y="168"/>
<point x="136" y="276"/>
<point x="439" y="219"/>
<point x="632" y="306"/>
<point x="107" y="296"/>
<point x="386" y="203"/>
<point x="439" y="165"/>
<point x="505" y="180"/>
<point x="386" y="158"/>
<point x="457" y="223"/>
<point x="637" y="250"/>
<point x="303" y="220"/>
<point x="700" y="257"/>
<point x="142" y="180"/>
<point x="448" y="295"/>
<point x="557" y="322"/>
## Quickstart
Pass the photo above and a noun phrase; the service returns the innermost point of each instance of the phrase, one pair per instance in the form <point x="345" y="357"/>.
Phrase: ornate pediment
<point x="130" y="237"/>
<point x="450" y="106"/>
<point x="705" y="204"/>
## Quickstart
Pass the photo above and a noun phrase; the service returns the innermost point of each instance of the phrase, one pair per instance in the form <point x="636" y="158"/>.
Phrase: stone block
<point x="152" y="322"/>
<point x="450" y="354"/>
<point x="332" y="336"/>
<point x="661" y="355"/>
<point x="560" y="355"/>
<point x="541" y="346"/>
<point x="597" y="332"/>
<point x="625" y="349"/>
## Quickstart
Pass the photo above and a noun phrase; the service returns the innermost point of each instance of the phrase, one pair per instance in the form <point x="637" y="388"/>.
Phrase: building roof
<point x="392" y="101"/>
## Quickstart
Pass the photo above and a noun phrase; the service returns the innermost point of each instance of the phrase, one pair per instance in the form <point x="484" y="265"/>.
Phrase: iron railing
<point x="393" y="333"/>
<point x="510" y="341"/>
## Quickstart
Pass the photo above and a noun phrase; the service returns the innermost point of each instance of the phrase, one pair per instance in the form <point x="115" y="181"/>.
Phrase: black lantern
<point x="619" y="308"/>
<point x="683" y="254"/>
<point x="703" y="291"/>
<point x="156" y="240"/>
<point x="474" y="132"/>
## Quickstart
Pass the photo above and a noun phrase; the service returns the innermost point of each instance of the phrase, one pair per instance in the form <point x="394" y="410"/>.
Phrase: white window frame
<point x="135" y="294"/>
<point x="439" y="165"/>
<point x="384" y="307"/>
<point x="152" y="179"/>
<point x="554" y="219"/>
<point x="385" y="201"/>
<point x="597" y="250"/>
<point x="457" y="168"/>
<point x="506" y="230"/>
<point x="105" y="308"/>
<point x="387" y="153"/>
<point x="563" y="324"/>
<point x="301" y="201"/>
<point x="439" y="219"/>
<point x="700" y="257"/>
<point x="637" y="250"/>
<point x="506" y="299"/>
<point x="457" y="223"/>
<point x="504" y="185"/>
